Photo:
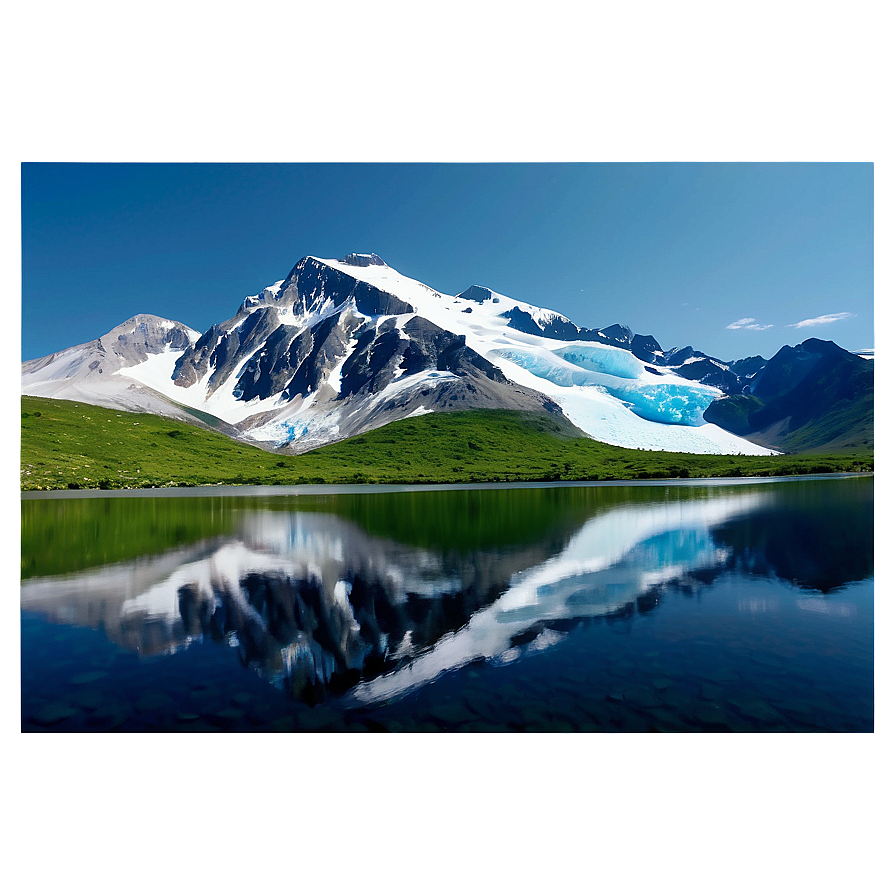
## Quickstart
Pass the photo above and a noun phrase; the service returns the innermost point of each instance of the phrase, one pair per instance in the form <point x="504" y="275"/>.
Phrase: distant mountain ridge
<point x="339" y="347"/>
<point x="812" y="396"/>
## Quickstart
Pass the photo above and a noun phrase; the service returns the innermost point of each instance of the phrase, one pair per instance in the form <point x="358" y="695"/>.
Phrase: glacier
<point x="602" y="359"/>
<point x="618" y="374"/>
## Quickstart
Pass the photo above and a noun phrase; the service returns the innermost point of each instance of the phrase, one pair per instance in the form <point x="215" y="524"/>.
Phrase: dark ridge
<point x="708" y="372"/>
<point x="243" y="340"/>
<point x="808" y="397"/>
<point x="268" y="371"/>
<point x="676" y="356"/>
<point x="476" y="294"/>
<point x="555" y="329"/>
<point x="310" y="372"/>
<point x="192" y="364"/>
<point x="617" y="334"/>
<point x="368" y="368"/>
<point x="311" y="284"/>
<point x="646" y="348"/>
<point x="747" y="367"/>
<point x="372" y="301"/>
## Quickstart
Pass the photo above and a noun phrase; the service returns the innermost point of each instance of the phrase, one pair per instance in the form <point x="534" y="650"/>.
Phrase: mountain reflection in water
<point x="318" y="604"/>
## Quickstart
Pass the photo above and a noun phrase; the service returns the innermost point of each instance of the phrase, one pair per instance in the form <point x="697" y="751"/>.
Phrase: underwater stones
<point x="560" y="726"/>
<point x="764" y="659"/>
<point x="709" y="714"/>
<point x="156" y="702"/>
<point x="353" y="727"/>
<point x="756" y="708"/>
<point x="206" y="699"/>
<point x="227" y="718"/>
<point x="89" y="698"/>
<point x="722" y="674"/>
<point x="577" y="677"/>
<point x="374" y="726"/>
<point x="677" y="700"/>
<point x="109" y="717"/>
<point x="88" y="677"/>
<point x="53" y="713"/>
<point x="480" y="703"/>
<point x="453" y="713"/>
<point x="665" y="722"/>
<point x="318" y="719"/>
<point x="641" y="696"/>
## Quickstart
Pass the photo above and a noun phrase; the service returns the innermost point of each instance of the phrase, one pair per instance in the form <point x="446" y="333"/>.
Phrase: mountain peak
<point x="476" y="294"/>
<point x="148" y="328"/>
<point x="362" y="259"/>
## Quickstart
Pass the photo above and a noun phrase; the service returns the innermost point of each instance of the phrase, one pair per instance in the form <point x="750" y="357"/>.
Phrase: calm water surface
<point x="743" y="606"/>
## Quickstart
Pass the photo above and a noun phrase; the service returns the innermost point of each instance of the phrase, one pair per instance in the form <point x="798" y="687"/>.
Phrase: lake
<point x="736" y="605"/>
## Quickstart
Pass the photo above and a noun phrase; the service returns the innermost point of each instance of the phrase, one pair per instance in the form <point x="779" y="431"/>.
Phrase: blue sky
<point x="709" y="173"/>
<point x="732" y="258"/>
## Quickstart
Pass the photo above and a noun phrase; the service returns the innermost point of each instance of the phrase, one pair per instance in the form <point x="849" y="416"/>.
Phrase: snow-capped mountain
<point x="339" y="347"/>
<point x="89" y="372"/>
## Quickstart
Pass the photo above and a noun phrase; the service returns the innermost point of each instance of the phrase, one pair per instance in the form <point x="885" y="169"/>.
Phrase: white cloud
<point x="748" y="323"/>
<point x="824" y="319"/>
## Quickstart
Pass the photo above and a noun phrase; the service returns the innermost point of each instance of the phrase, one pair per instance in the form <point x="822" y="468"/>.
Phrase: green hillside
<point x="72" y="445"/>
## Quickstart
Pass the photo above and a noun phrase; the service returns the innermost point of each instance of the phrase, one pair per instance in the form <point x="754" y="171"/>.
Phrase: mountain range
<point x="339" y="347"/>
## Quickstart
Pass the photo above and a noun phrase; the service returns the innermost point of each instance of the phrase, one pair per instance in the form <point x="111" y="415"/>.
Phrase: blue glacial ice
<point x="615" y="372"/>
<point x="665" y="402"/>
<point x="602" y="359"/>
<point x="546" y="368"/>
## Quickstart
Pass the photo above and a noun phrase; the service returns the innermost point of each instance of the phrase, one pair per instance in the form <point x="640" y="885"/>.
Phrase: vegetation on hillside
<point x="72" y="445"/>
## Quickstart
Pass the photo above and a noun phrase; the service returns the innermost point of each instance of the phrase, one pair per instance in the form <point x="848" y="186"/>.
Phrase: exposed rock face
<point x="363" y="260"/>
<point x="559" y="328"/>
<point x="476" y="294"/>
<point x="646" y="348"/>
<point x="256" y="333"/>
<point x="469" y="380"/>
<point x="293" y="362"/>
<point x="708" y="371"/>
<point x="312" y="287"/>
<point x="193" y="364"/>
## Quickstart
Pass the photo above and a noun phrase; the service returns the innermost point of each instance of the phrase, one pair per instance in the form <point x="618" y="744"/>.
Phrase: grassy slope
<point x="68" y="444"/>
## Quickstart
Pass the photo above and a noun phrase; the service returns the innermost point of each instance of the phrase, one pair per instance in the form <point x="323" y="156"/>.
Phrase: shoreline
<point x="199" y="491"/>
